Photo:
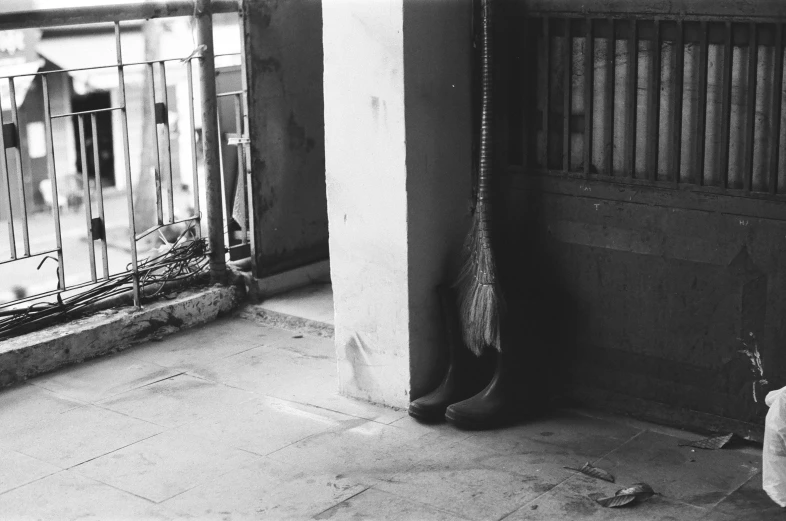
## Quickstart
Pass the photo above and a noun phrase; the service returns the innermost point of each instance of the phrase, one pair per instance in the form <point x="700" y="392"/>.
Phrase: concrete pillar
<point x="398" y="166"/>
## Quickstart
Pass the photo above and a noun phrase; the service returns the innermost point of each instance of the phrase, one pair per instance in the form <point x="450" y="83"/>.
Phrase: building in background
<point x="85" y="48"/>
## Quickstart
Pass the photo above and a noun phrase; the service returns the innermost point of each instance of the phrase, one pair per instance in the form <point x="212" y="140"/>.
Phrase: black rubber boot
<point x="462" y="376"/>
<point x="492" y="407"/>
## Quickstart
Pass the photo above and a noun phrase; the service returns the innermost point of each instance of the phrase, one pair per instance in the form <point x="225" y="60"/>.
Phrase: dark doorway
<point x="92" y="101"/>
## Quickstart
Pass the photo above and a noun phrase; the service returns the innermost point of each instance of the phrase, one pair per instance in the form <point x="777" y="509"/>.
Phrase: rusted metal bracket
<point x="234" y="140"/>
<point x="98" y="229"/>
<point x="9" y="135"/>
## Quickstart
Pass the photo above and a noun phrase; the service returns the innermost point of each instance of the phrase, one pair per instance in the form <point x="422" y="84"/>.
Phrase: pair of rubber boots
<point x="457" y="399"/>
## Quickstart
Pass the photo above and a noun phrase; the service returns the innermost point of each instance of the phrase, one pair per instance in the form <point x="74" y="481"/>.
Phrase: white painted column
<point x="398" y="167"/>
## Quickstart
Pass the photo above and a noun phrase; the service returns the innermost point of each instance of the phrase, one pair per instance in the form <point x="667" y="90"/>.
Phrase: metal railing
<point x="185" y="256"/>
<point x="685" y="97"/>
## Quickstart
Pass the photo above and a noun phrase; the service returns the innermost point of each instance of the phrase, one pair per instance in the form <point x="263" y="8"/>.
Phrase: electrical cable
<point x="182" y="261"/>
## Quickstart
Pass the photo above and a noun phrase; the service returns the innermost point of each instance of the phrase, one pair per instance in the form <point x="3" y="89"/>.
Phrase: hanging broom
<point x="481" y="297"/>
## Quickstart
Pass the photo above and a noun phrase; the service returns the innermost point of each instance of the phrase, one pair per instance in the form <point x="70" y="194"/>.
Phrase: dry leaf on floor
<point x="625" y="496"/>
<point x="642" y="490"/>
<point x="595" y="472"/>
<point x="711" y="443"/>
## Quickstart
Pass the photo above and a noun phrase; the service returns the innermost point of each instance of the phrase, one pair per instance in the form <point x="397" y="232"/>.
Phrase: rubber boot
<point x="491" y="407"/>
<point x="461" y="379"/>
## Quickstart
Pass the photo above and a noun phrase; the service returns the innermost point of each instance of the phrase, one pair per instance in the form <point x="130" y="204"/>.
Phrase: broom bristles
<point x="482" y="304"/>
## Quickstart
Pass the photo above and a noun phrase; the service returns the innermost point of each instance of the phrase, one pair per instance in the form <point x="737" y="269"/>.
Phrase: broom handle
<point x="484" y="172"/>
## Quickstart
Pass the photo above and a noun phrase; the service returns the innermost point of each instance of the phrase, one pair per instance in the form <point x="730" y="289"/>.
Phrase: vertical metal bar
<point x="246" y="125"/>
<point x="50" y="161"/>
<point x="775" y="112"/>
<point x="192" y="129"/>
<point x="7" y="180"/>
<point x="544" y="158"/>
<point x="725" y="122"/>
<point x="152" y="94"/>
<point x="566" y="99"/>
<point x="701" y="118"/>
<point x="86" y="191"/>
<point x="167" y="144"/>
<point x="207" y="77"/>
<point x="653" y="138"/>
<point x="227" y="217"/>
<point x="19" y="168"/>
<point x="589" y="67"/>
<point x="679" y="69"/>
<point x="633" y="77"/>
<point x="753" y="58"/>
<point x="240" y="191"/>
<point x="99" y="194"/>
<point x="121" y="85"/>
<point x="611" y="52"/>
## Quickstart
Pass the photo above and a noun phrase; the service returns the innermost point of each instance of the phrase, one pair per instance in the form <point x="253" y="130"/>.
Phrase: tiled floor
<point x="237" y="420"/>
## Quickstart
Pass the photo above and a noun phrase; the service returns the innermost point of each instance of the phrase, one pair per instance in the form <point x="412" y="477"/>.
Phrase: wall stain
<point x="270" y="64"/>
<point x="297" y="135"/>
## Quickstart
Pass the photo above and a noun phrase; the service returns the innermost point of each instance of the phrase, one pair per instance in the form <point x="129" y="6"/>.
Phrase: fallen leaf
<point x="595" y="472"/>
<point x="711" y="443"/>
<point x="617" y="501"/>
<point x="625" y="496"/>
<point x="642" y="490"/>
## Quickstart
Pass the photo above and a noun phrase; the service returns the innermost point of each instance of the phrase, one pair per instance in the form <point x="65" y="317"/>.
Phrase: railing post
<point x="210" y="141"/>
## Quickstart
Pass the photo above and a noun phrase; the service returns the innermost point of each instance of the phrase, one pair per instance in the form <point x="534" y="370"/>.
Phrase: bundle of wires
<point x="180" y="261"/>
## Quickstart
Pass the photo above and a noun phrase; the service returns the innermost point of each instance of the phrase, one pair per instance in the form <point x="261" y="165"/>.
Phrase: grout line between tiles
<point x="113" y="451"/>
<point x="342" y="501"/>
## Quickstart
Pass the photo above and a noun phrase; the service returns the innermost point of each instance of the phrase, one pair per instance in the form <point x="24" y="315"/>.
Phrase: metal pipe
<point x="19" y="170"/>
<point x="121" y="82"/>
<point x="240" y="184"/>
<point x="54" y="17"/>
<point x="167" y="144"/>
<point x="157" y="175"/>
<point x="110" y="66"/>
<point x="100" y="195"/>
<point x="7" y="191"/>
<point x="52" y="170"/>
<point x="192" y="129"/>
<point x="210" y="142"/>
<point x="86" y="191"/>
<point x="85" y="112"/>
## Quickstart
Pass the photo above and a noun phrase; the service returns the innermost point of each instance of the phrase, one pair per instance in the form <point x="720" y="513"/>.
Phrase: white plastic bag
<point x="774" y="455"/>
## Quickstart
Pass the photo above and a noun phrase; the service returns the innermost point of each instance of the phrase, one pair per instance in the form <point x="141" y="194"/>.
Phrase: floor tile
<point x="79" y="435"/>
<point x="699" y="477"/>
<point x="570" y="501"/>
<point x="367" y="452"/>
<point x="175" y="401"/>
<point x="265" y="489"/>
<point x="322" y="391"/>
<point x="375" y="504"/>
<point x="103" y="377"/>
<point x="212" y="341"/>
<point x="25" y="405"/>
<point x="750" y="499"/>
<point x="266" y="424"/>
<point x="264" y="369"/>
<point x="583" y="435"/>
<point x="460" y="480"/>
<point x="165" y="465"/>
<point x="67" y="495"/>
<point x="16" y="469"/>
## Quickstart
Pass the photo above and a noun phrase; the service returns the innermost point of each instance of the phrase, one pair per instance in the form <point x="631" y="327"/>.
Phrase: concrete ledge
<point x="110" y="331"/>
<point x="289" y="322"/>
<point x="259" y="289"/>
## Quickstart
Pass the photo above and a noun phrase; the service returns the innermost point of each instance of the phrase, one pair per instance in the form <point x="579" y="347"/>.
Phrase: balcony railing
<point x="185" y="252"/>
